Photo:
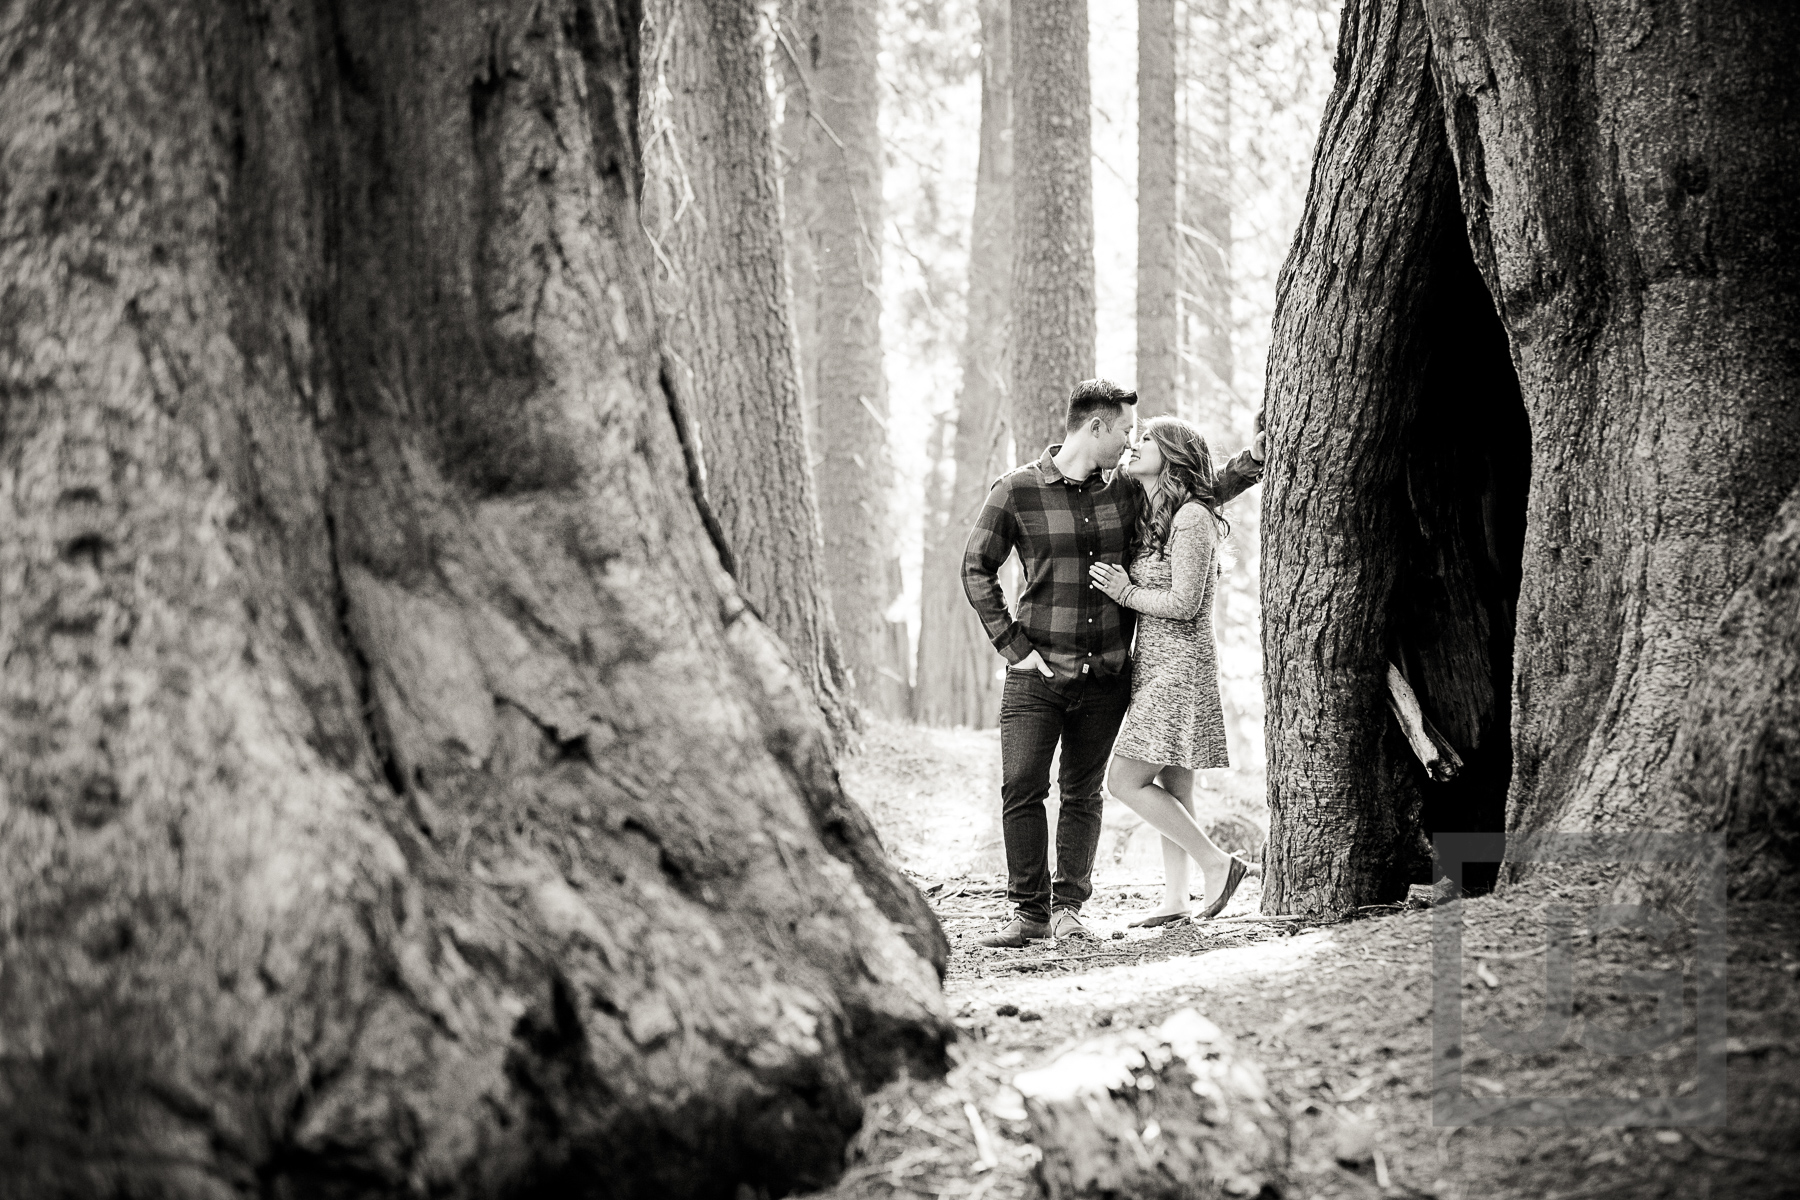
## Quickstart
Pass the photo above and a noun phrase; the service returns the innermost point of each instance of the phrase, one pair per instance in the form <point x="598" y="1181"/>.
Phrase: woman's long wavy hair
<point x="1187" y="474"/>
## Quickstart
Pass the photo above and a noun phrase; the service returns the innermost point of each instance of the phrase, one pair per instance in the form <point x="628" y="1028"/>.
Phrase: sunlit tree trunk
<point x="712" y="205"/>
<point x="1532" y="373"/>
<point x="1205" y="214"/>
<point x="957" y="680"/>
<point x="398" y="799"/>
<point x="839" y="144"/>
<point x="1159" y="213"/>
<point x="1207" y="363"/>
<point x="1053" y="219"/>
<point x="796" y="58"/>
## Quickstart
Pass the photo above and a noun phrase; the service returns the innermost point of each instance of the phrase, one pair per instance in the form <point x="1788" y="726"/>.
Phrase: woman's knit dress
<point x="1175" y="718"/>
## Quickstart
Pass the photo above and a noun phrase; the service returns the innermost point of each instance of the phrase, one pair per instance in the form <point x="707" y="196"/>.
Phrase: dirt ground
<point x="1339" y="1015"/>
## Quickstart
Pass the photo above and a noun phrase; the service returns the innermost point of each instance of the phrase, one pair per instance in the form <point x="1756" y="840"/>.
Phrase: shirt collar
<point x="1047" y="467"/>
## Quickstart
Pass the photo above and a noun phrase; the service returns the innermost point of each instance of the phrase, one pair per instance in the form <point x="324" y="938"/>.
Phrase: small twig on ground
<point x="895" y="1166"/>
<point x="1602" y="1189"/>
<point x="984" y="1145"/>
<point x="1503" y="957"/>
<point x="1749" y="1156"/>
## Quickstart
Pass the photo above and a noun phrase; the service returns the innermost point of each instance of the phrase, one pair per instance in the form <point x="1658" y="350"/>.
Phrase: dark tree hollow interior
<point x="1460" y="545"/>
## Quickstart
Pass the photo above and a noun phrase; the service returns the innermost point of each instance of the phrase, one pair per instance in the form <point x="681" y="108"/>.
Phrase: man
<point x="1068" y="651"/>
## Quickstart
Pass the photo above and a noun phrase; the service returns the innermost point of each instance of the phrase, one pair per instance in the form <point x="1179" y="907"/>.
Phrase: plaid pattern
<point x="1060" y="527"/>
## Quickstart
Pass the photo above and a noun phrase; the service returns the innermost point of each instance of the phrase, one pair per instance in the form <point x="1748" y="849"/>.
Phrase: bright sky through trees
<point x="931" y="108"/>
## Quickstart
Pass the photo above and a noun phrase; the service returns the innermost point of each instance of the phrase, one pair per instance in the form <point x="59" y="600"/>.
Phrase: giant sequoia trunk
<point x="833" y="133"/>
<point x="1532" y="384"/>
<point x="1732" y="769"/>
<point x="958" y="680"/>
<point x="712" y="205"/>
<point x="1053" y="222"/>
<point x="397" y="798"/>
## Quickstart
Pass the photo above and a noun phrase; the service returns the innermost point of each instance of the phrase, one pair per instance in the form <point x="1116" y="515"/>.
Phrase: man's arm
<point x="995" y="534"/>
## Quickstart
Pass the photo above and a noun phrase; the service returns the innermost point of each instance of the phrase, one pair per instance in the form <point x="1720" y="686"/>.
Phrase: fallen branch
<point x="1440" y="758"/>
<point x="1174" y="1111"/>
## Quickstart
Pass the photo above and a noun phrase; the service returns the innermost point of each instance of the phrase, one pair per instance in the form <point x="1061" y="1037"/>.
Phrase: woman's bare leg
<point x="1134" y="783"/>
<point x="1179" y="783"/>
<point x="1175" y="880"/>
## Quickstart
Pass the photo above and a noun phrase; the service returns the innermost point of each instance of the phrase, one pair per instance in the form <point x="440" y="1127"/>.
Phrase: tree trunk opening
<point x="1466" y="473"/>
<point x="1628" y="188"/>
<point x="1394" y="508"/>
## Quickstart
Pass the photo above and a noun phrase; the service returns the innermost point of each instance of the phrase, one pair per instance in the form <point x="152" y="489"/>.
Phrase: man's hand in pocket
<point x="1034" y="662"/>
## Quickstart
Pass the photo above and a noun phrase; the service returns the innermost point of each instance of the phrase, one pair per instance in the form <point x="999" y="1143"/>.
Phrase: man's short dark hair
<point x="1097" y="398"/>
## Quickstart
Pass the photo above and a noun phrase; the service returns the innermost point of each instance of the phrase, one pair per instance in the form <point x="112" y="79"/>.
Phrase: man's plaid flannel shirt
<point x="1060" y="527"/>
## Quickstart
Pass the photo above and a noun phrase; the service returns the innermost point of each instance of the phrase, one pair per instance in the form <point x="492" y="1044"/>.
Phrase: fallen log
<point x="1440" y="758"/>
<point x="1156" y="1114"/>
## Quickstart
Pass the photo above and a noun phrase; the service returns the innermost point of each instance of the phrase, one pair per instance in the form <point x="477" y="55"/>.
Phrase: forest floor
<point x="1339" y="1015"/>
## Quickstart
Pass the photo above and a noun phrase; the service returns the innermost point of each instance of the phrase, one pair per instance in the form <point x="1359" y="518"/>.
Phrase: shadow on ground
<point x="1341" y="1018"/>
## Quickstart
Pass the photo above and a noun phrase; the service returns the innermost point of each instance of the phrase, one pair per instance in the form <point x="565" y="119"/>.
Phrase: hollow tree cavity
<point x="1531" y="400"/>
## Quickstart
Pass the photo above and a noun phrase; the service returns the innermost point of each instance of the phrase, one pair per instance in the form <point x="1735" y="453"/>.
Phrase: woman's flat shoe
<point x="1233" y="876"/>
<point x="1156" y="919"/>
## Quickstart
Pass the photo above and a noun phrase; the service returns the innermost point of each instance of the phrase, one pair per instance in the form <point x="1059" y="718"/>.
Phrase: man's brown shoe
<point x="1066" y="926"/>
<point x="1016" y="932"/>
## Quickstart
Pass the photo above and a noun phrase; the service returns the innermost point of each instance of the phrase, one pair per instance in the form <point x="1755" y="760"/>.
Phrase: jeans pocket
<point x="1023" y="689"/>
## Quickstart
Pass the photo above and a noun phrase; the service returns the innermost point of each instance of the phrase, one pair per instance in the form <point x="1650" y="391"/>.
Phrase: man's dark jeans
<point x="1035" y="713"/>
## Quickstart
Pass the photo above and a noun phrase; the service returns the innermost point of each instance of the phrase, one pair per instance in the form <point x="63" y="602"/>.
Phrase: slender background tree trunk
<point x="1053" y="219"/>
<point x="1204" y="215"/>
<point x="714" y="211"/>
<point x="796" y="57"/>
<point x="1159" y="213"/>
<point x="958" y="681"/>
<point x="399" y="799"/>
<point x="842" y="150"/>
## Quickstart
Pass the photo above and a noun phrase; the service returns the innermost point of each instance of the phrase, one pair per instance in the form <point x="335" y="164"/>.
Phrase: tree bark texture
<point x="840" y="79"/>
<point x="1053" y="219"/>
<point x="1344" y="370"/>
<point x="712" y="205"/>
<point x="398" y="797"/>
<point x="957" y="681"/>
<point x="1733" y="768"/>
<point x="795" y="59"/>
<point x="1633" y="189"/>
<point x="1567" y="415"/>
<point x="1159" y="214"/>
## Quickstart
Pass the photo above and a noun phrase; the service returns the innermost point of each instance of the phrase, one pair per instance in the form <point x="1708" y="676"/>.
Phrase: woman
<point x="1175" y="725"/>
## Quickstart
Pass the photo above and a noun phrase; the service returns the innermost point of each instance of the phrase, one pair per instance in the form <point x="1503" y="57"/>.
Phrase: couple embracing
<point x="1106" y="552"/>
